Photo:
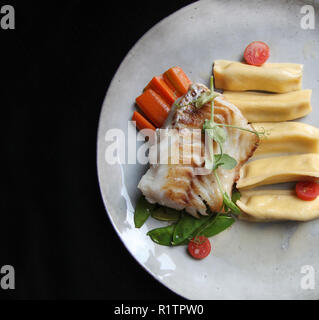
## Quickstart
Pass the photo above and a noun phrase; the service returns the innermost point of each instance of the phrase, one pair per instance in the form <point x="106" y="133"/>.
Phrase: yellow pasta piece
<point x="279" y="169"/>
<point x="262" y="107"/>
<point x="272" y="77"/>
<point x="287" y="137"/>
<point x="270" y="205"/>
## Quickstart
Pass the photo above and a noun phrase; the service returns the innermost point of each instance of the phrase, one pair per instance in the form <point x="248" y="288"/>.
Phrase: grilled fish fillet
<point x="178" y="184"/>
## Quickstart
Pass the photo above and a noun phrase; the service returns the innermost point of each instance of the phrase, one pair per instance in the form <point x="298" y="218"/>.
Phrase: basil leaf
<point x="185" y="227"/>
<point x="166" y="214"/>
<point x="218" y="225"/>
<point x="224" y="161"/>
<point x="143" y="210"/>
<point x="162" y="236"/>
<point x="229" y="204"/>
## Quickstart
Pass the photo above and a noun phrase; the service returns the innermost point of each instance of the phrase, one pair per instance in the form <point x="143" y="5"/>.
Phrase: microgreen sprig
<point x="228" y="204"/>
<point x="216" y="132"/>
<point x="257" y="133"/>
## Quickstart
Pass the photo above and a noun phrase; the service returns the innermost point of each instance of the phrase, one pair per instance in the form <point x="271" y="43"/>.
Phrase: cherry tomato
<point x="256" y="53"/>
<point x="199" y="247"/>
<point x="307" y="190"/>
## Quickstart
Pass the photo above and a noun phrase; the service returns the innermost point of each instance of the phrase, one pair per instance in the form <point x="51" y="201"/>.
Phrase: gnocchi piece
<point x="278" y="170"/>
<point x="272" y="77"/>
<point x="271" y="107"/>
<point x="287" y="137"/>
<point x="272" y="205"/>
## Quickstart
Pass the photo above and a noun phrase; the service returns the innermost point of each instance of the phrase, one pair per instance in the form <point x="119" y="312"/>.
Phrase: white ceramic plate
<point x="248" y="261"/>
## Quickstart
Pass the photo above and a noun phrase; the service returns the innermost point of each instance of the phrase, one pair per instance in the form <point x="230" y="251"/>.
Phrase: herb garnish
<point x="216" y="132"/>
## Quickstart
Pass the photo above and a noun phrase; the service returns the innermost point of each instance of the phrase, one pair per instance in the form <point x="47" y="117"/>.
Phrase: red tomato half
<point x="256" y="53"/>
<point x="199" y="247"/>
<point x="307" y="190"/>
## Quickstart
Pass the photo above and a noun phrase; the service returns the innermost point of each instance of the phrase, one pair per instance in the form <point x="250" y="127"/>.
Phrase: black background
<point x="55" y="69"/>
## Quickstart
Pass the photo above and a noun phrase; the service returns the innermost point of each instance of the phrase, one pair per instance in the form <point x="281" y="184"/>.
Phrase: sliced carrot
<point x="177" y="77"/>
<point x="176" y="93"/>
<point x="159" y="85"/>
<point x="141" y="122"/>
<point x="159" y="95"/>
<point x="154" y="107"/>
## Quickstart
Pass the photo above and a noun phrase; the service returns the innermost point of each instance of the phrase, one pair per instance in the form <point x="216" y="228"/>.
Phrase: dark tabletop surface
<point x="55" y="69"/>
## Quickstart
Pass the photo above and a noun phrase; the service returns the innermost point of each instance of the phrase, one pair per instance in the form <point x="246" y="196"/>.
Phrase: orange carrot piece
<point x="176" y="93"/>
<point x="178" y="79"/>
<point x="159" y="85"/>
<point x="154" y="107"/>
<point x="141" y="122"/>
